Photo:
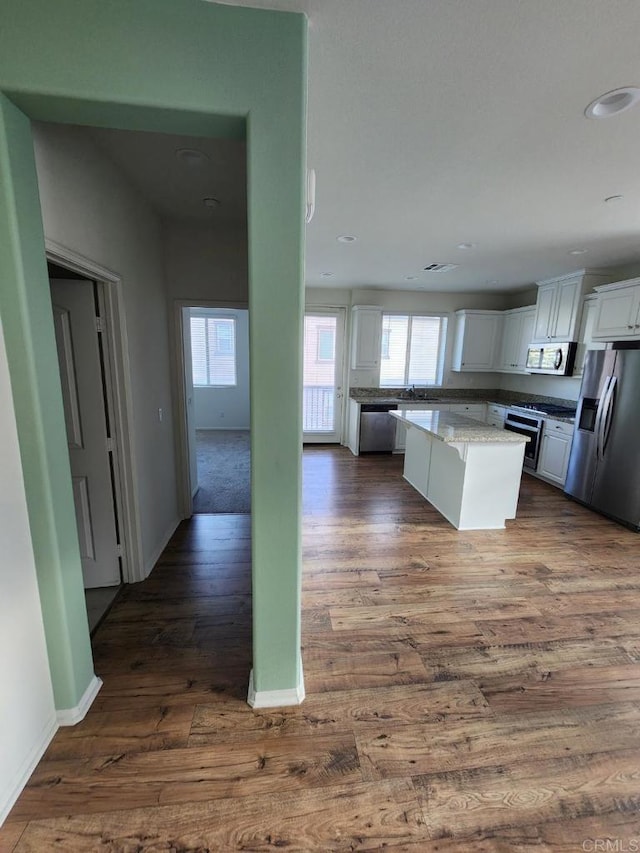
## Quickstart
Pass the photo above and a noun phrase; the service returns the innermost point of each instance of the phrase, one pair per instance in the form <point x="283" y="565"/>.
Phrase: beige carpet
<point x="224" y="471"/>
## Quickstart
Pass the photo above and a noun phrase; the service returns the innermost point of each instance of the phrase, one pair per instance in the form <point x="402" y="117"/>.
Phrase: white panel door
<point x="322" y="375"/>
<point x="74" y="315"/>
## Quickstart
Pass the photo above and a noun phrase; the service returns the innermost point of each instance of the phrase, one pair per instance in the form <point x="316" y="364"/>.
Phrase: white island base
<point x="474" y="483"/>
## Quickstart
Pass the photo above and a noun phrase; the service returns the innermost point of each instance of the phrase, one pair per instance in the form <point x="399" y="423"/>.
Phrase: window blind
<point x="412" y="350"/>
<point x="213" y="351"/>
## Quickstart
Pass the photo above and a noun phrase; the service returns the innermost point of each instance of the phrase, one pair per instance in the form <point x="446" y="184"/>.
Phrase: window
<point x="213" y="350"/>
<point x="412" y="350"/>
<point x="326" y="344"/>
<point x="318" y="373"/>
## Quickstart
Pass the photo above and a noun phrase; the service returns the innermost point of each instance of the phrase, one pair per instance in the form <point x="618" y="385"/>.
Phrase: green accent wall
<point x="25" y="305"/>
<point x="174" y="66"/>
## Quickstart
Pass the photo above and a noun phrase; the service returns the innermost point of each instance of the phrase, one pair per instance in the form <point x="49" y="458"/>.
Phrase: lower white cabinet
<point x="496" y="415"/>
<point x="555" y="450"/>
<point x="477" y="411"/>
<point x="353" y="427"/>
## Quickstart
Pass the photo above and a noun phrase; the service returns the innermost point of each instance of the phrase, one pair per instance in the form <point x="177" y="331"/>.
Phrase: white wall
<point x="27" y="714"/>
<point x="227" y="408"/>
<point x="204" y="263"/>
<point x="563" y="387"/>
<point x="88" y="206"/>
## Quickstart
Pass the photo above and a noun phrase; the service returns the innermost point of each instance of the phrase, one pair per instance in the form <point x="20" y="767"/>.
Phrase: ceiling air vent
<point x="440" y="267"/>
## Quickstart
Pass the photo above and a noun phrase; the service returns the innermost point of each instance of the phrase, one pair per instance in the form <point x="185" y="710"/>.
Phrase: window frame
<point x="443" y="317"/>
<point x="213" y="316"/>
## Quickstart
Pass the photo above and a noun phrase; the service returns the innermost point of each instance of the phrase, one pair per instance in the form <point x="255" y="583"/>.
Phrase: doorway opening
<point x="323" y="380"/>
<point x="217" y="408"/>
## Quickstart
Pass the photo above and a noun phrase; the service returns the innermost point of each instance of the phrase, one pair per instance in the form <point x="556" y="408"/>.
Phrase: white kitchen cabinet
<point x="585" y="335"/>
<point x="558" y="305"/>
<point x="413" y="406"/>
<point x="517" y="334"/>
<point x="477" y="340"/>
<point x="496" y="415"/>
<point x="477" y="411"/>
<point x="618" y="316"/>
<point x="555" y="451"/>
<point x="366" y="334"/>
<point x="353" y="427"/>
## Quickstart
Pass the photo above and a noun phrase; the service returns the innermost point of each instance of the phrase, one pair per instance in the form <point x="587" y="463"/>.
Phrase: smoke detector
<point x="440" y="267"/>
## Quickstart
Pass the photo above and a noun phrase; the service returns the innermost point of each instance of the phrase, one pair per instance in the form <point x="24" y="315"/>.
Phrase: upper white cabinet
<point x="366" y="333"/>
<point x="585" y="335"/>
<point x="618" y="314"/>
<point x="517" y="334"/>
<point x="558" y="305"/>
<point x="477" y="340"/>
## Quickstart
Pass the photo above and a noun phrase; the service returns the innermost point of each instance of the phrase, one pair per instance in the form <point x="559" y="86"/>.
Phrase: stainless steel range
<point x="528" y="419"/>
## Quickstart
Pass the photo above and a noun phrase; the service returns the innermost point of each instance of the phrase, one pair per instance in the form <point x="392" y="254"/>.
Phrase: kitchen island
<point x="469" y="471"/>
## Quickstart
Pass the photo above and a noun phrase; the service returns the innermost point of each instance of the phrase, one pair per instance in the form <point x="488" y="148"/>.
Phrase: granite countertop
<point x="453" y="428"/>
<point x="406" y="401"/>
<point x="366" y="395"/>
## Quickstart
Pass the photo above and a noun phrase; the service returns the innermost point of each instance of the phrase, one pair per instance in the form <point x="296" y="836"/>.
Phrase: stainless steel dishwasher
<point x="377" y="428"/>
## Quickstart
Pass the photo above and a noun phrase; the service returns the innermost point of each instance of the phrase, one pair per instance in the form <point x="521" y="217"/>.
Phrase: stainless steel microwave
<point x="553" y="358"/>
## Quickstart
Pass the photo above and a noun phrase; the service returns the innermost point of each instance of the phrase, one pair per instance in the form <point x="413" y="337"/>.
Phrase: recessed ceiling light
<point x="578" y="251"/>
<point x="191" y="156"/>
<point x="466" y="246"/>
<point x="346" y="238"/>
<point x="410" y="277"/>
<point x="326" y="274"/>
<point x="211" y="202"/>
<point x="614" y="102"/>
<point x="611" y="198"/>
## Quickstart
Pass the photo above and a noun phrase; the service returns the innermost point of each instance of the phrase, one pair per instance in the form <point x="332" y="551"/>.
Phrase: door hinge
<point x="110" y="445"/>
<point x="99" y="325"/>
<point x="119" y="550"/>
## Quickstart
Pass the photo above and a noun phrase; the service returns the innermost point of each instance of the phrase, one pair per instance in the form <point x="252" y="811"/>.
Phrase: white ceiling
<point x="438" y="122"/>
<point x="177" y="188"/>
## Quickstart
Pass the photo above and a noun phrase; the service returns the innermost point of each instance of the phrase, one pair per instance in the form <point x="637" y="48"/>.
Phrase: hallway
<point x="462" y="688"/>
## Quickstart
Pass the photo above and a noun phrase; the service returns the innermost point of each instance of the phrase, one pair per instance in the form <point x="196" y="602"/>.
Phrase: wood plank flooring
<point x="465" y="690"/>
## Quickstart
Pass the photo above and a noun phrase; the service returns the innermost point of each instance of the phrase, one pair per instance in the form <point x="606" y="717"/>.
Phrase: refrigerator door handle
<point x="599" y="418"/>
<point x="607" y="414"/>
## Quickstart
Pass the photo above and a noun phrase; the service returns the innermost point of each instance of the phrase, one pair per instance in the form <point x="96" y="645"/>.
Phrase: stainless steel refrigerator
<point x="604" y="466"/>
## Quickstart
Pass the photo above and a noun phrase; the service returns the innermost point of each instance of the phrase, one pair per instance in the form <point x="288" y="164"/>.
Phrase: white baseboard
<point x="275" y="698"/>
<point x="164" y="540"/>
<point x="29" y="765"/>
<point x="71" y="716"/>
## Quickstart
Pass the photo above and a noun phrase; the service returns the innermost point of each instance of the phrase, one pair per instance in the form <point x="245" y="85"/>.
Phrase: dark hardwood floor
<point x="465" y="690"/>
